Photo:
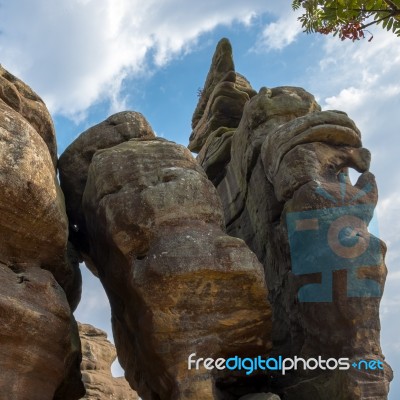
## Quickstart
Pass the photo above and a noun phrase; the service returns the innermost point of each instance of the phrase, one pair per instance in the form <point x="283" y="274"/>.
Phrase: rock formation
<point x="98" y="354"/>
<point x="177" y="283"/>
<point x="260" y="396"/>
<point x="259" y="248"/>
<point x="74" y="166"/>
<point x="222" y="99"/>
<point x="40" y="281"/>
<point x="39" y="344"/>
<point x="282" y="177"/>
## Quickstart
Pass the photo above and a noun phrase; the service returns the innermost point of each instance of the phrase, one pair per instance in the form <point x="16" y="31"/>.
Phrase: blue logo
<point x="334" y="239"/>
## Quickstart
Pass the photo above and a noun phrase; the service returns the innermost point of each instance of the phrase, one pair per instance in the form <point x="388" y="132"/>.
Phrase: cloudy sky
<point x="88" y="59"/>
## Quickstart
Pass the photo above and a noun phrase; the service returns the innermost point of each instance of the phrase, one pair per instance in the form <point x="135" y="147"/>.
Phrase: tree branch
<point x="360" y="9"/>
<point x="391" y="5"/>
<point x="374" y="22"/>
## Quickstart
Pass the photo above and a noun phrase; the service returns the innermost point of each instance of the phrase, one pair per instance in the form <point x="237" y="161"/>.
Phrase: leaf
<point x="384" y="23"/>
<point x="296" y="4"/>
<point x="390" y="24"/>
<point x="347" y="18"/>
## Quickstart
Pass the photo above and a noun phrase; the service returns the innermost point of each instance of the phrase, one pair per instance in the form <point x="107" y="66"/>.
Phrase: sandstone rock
<point x="24" y="101"/>
<point x="283" y="169"/>
<point x="33" y="220"/>
<point x="98" y="354"/>
<point x="74" y="164"/>
<point x="177" y="283"/>
<point x="34" y="232"/>
<point x="216" y="153"/>
<point x="341" y="385"/>
<point x="34" y="227"/>
<point x="221" y="64"/>
<point x="260" y="396"/>
<point x="40" y="351"/>
<point x="222" y="98"/>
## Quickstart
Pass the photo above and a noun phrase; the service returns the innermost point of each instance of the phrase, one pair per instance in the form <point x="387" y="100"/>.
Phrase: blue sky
<point x="88" y="59"/>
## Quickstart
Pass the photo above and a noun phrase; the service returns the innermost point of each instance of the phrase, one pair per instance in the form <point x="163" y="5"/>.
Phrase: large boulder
<point x="283" y="178"/>
<point x="177" y="284"/>
<point x="34" y="240"/>
<point x="74" y="166"/>
<point x="40" y="349"/>
<point x="33" y="221"/>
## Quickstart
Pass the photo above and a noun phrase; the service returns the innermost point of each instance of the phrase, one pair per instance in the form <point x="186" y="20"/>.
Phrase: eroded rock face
<point x="74" y="165"/>
<point x="260" y="396"/>
<point x="222" y="99"/>
<point x="177" y="283"/>
<point x="98" y="354"/>
<point x="282" y="176"/>
<point x="34" y="226"/>
<point x="23" y="100"/>
<point x="36" y="304"/>
<point x="149" y="223"/>
<point x="40" y="350"/>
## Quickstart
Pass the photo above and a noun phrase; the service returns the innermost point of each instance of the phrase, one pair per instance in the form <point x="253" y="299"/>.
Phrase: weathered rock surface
<point x="24" y="101"/>
<point x="98" y="354"/>
<point x="74" y="165"/>
<point x="282" y="176"/>
<point x="177" y="283"/>
<point x="222" y="99"/>
<point x="152" y="225"/>
<point x="34" y="226"/>
<point x="40" y="350"/>
<point x="39" y="329"/>
<point x="260" y="396"/>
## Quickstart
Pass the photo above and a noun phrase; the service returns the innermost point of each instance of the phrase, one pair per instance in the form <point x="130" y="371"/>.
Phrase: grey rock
<point x="260" y="396"/>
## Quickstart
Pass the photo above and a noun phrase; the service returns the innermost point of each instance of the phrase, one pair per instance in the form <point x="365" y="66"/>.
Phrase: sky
<point x="89" y="59"/>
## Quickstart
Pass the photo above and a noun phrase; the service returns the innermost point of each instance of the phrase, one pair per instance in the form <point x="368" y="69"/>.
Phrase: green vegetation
<point x="348" y="18"/>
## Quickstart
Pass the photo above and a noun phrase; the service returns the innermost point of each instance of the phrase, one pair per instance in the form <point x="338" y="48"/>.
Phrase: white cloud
<point x="363" y="79"/>
<point x="75" y="52"/>
<point x="94" y="308"/>
<point x="277" y="35"/>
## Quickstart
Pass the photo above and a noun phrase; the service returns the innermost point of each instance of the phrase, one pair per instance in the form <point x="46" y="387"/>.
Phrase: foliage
<point x="348" y="18"/>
